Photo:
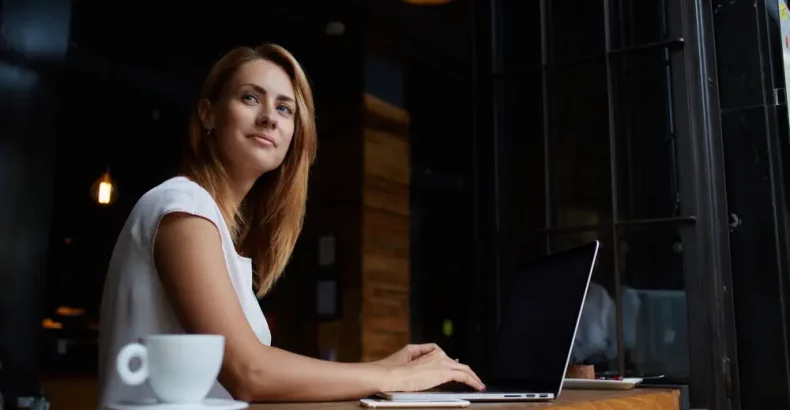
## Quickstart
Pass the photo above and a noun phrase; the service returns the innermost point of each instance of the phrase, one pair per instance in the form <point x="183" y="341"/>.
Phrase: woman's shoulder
<point x="177" y="194"/>
<point x="177" y="191"/>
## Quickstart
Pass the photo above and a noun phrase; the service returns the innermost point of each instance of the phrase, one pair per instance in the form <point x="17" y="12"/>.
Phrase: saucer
<point x="206" y="404"/>
<point x="599" y="384"/>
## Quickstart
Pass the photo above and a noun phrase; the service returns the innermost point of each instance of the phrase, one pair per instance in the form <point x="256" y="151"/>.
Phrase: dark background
<point x="536" y="125"/>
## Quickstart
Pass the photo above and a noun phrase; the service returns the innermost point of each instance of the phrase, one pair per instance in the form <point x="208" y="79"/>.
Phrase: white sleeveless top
<point x="134" y="303"/>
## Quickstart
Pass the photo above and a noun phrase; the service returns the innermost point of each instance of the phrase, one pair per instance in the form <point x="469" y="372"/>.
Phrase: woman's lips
<point x="264" y="140"/>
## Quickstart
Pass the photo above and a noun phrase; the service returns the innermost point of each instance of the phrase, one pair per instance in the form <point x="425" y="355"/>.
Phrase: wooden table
<point x="641" y="399"/>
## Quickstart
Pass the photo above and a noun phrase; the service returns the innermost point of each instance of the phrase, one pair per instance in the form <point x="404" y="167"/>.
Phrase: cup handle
<point x="125" y="357"/>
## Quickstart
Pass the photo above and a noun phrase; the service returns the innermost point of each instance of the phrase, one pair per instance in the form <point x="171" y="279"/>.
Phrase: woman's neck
<point x="239" y="185"/>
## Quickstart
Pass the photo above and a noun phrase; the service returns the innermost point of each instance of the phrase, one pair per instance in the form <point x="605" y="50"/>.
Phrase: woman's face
<point x="253" y="119"/>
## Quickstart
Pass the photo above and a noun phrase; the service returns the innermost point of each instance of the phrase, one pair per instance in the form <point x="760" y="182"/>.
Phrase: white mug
<point x="180" y="368"/>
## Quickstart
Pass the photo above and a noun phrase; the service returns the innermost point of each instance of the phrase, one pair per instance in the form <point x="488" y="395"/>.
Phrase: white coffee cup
<point x="180" y="368"/>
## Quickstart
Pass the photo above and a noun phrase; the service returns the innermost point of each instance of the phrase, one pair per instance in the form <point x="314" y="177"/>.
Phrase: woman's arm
<point x="191" y="265"/>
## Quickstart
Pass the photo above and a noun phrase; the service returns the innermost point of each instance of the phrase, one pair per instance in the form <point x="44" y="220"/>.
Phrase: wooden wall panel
<point x="373" y="178"/>
<point x="385" y="229"/>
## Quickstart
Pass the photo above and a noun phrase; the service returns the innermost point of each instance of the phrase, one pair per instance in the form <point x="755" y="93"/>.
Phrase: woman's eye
<point x="249" y="98"/>
<point x="285" y="108"/>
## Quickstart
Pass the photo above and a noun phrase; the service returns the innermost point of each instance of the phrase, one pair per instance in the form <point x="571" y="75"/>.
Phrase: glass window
<point x="638" y="22"/>
<point x="579" y="160"/>
<point x="523" y="162"/>
<point x="576" y="29"/>
<point x="521" y="33"/>
<point x="558" y="127"/>
<point x="645" y="137"/>
<point x="655" y="320"/>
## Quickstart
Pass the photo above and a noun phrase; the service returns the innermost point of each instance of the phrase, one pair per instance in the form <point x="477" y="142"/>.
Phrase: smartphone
<point x="413" y="404"/>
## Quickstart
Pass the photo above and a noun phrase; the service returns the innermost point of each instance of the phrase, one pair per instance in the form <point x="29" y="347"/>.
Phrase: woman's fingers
<point x="423" y="349"/>
<point x="468" y="370"/>
<point x="461" y="376"/>
<point x="456" y="365"/>
<point x="453" y="368"/>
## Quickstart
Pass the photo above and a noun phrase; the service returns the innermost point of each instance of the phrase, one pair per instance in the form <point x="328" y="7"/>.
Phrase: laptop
<point x="535" y="339"/>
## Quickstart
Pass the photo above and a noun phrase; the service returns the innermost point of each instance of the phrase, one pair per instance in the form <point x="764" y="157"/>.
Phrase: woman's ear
<point x="206" y="113"/>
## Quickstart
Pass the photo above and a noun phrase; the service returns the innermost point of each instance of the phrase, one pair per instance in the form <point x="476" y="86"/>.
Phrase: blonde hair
<point x="267" y="223"/>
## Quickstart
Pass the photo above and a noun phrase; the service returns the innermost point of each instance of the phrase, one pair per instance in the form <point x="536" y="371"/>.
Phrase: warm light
<point x="69" y="311"/>
<point x="104" y="190"/>
<point x="51" y="324"/>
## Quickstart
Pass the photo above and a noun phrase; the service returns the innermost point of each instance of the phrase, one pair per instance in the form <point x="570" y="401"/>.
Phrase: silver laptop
<point x="537" y="332"/>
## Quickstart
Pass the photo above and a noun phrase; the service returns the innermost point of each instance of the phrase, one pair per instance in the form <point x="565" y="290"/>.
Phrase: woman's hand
<point x="431" y="370"/>
<point x="407" y="354"/>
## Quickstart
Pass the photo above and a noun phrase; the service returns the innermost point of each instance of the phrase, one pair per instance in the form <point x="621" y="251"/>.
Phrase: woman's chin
<point x="263" y="168"/>
<point x="260" y="164"/>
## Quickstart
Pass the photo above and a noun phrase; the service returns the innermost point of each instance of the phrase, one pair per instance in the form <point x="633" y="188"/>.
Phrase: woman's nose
<point x="266" y="117"/>
<point x="266" y="120"/>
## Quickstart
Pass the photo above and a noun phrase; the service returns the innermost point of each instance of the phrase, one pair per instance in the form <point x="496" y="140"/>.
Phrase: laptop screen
<point x="539" y="321"/>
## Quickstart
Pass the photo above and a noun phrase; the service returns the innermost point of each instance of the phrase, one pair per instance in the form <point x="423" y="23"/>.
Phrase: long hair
<point x="267" y="223"/>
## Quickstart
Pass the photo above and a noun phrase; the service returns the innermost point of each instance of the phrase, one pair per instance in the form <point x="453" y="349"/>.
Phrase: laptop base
<point x="476" y="396"/>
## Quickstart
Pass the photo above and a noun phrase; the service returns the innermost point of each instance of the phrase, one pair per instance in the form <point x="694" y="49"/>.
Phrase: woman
<point x="187" y="256"/>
